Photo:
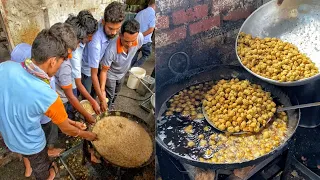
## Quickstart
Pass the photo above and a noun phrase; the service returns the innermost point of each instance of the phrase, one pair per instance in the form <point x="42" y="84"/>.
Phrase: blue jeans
<point x="75" y="92"/>
<point x="70" y="110"/>
<point x="146" y="50"/>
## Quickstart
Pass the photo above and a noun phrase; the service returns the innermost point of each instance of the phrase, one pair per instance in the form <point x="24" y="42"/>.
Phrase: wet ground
<point x="128" y="100"/>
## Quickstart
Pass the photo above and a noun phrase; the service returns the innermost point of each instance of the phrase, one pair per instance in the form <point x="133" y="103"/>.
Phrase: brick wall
<point x="204" y="29"/>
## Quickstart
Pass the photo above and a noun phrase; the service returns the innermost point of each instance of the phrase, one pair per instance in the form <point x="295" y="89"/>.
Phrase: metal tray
<point x="295" y="21"/>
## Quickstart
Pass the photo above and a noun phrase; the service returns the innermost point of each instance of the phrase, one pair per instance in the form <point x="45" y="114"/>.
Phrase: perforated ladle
<point x="279" y="109"/>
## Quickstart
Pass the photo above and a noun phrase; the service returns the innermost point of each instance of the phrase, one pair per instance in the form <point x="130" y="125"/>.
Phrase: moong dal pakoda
<point x="234" y="106"/>
<point x="222" y="148"/>
<point x="274" y="59"/>
<point x="241" y="148"/>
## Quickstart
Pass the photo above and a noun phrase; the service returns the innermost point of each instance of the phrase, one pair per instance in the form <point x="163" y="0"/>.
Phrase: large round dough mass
<point x="122" y="142"/>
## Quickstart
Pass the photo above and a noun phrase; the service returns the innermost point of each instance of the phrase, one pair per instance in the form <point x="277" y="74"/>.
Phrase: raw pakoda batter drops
<point x="274" y="59"/>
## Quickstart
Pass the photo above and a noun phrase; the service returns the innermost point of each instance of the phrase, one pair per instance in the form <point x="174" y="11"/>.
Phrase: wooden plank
<point x="4" y="23"/>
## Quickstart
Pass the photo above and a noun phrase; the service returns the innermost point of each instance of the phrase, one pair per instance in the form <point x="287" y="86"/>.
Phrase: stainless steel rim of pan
<point x="271" y="20"/>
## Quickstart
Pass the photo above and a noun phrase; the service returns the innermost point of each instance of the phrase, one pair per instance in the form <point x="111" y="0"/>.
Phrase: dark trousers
<point x="153" y="74"/>
<point x="75" y="92"/>
<point x="113" y="87"/>
<point x="87" y="82"/>
<point x="51" y="133"/>
<point x="40" y="164"/>
<point x="70" y="110"/>
<point x="146" y="50"/>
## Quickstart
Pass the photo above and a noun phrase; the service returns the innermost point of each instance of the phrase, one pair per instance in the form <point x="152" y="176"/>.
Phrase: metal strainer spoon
<point x="279" y="109"/>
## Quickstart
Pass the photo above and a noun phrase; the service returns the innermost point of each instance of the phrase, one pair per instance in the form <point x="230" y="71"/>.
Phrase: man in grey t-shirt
<point x="117" y="60"/>
<point x="63" y="79"/>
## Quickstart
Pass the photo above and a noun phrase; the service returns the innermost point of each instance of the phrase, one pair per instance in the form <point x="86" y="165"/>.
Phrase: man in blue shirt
<point x="85" y="26"/>
<point x="147" y="20"/>
<point x="108" y="28"/>
<point x="27" y="97"/>
<point x="19" y="54"/>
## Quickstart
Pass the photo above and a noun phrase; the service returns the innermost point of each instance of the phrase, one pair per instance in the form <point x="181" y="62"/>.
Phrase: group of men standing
<point x="42" y="82"/>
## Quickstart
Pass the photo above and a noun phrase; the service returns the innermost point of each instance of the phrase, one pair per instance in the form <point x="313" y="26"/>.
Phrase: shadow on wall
<point x="204" y="30"/>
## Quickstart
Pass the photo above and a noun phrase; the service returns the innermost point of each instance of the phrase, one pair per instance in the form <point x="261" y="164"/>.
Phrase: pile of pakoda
<point x="235" y="106"/>
<point x="274" y="59"/>
<point x="187" y="103"/>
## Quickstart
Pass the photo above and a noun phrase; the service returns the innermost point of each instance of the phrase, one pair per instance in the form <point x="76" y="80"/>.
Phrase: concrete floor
<point x="15" y="169"/>
<point x="129" y="105"/>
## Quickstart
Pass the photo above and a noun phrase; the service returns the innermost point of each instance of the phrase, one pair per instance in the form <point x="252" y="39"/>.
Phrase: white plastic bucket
<point x="133" y="82"/>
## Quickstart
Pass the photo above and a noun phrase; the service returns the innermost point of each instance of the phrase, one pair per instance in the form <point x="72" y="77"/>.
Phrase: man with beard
<point x="108" y="28"/>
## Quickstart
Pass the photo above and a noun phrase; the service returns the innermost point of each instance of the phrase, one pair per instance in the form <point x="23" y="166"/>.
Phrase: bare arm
<point x="77" y="124"/>
<point x="83" y="90"/>
<point x="95" y="82"/>
<point x="76" y="104"/>
<point x="96" y="85"/>
<point x="58" y="115"/>
<point x="149" y="31"/>
<point x="103" y="79"/>
<point x="67" y="128"/>
<point x="87" y="96"/>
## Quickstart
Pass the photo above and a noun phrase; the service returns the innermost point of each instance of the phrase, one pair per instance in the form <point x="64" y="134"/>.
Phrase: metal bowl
<point x="295" y="21"/>
<point x="86" y="101"/>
